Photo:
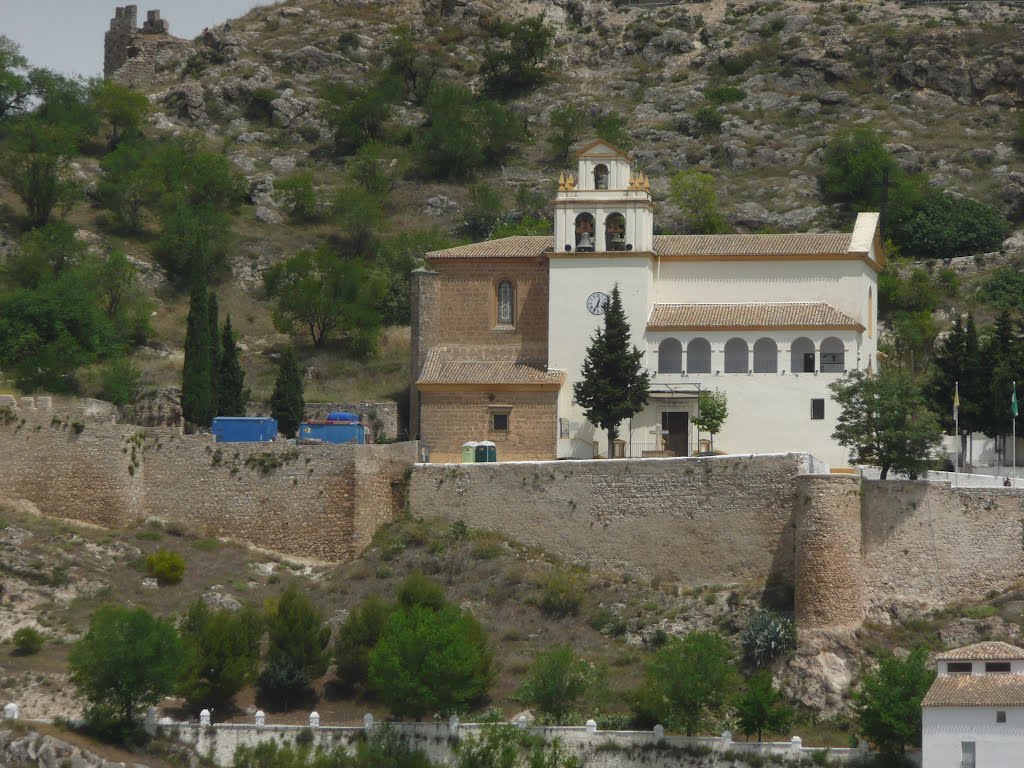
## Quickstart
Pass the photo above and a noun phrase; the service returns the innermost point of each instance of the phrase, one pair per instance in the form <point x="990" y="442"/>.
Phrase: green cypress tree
<point x="615" y="383"/>
<point x="286" y="404"/>
<point x="196" y="403"/>
<point x="232" y="397"/>
<point x="214" y="317"/>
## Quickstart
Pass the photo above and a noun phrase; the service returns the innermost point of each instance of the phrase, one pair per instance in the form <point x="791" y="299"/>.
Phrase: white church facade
<point x="501" y="328"/>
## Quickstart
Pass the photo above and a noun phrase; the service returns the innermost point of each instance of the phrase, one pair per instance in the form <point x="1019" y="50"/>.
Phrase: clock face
<point x="596" y="303"/>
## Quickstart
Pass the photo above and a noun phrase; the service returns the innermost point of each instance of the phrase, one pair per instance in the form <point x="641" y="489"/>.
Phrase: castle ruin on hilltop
<point x="131" y="54"/>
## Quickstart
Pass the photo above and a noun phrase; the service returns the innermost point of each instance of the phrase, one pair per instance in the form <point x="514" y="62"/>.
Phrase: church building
<point x="501" y="328"/>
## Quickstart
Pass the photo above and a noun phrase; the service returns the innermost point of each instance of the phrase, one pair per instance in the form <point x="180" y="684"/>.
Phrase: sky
<point x="67" y="35"/>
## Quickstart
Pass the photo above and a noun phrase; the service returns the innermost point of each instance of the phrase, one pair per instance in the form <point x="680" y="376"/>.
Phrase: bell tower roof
<point x="601" y="149"/>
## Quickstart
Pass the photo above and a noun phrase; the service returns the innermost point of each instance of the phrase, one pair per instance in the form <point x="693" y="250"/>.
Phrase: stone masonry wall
<point x="132" y="54"/>
<point x="828" y="581"/>
<point x="452" y="418"/>
<point x="318" y="501"/>
<point x="696" y="521"/>
<point x="926" y="545"/>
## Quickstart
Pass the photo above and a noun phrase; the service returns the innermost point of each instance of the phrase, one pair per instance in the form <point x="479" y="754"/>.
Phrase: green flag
<point x="1013" y="402"/>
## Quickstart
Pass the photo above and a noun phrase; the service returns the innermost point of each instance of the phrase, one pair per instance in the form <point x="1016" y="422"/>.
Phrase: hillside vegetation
<point x="364" y="134"/>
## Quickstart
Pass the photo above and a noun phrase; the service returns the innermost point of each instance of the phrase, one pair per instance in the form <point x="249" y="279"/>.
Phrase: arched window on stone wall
<point x="833" y="356"/>
<point x="766" y="356"/>
<point x="615" y="232"/>
<point x="802" y="356"/>
<point x="670" y="356"/>
<point x="506" y="303"/>
<point x="585" y="232"/>
<point x="698" y="356"/>
<point x="736" y="352"/>
<point x="601" y="176"/>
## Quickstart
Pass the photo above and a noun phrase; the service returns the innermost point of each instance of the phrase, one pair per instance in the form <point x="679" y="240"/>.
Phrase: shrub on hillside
<point x="28" y="640"/>
<point x="561" y="593"/>
<point x="166" y="567"/>
<point x="767" y="637"/>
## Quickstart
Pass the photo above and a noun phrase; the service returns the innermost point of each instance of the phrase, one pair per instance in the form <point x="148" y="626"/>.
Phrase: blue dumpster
<point x="339" y="432"/>
<point x="343" y="416"/>
<point x="244" y="429"/>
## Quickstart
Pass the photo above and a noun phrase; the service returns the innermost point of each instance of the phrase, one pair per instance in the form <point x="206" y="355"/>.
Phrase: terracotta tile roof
<point x="830" y="243"/>
<point x="990" y="650"/>
<point x="438" y="369"/>
<point x="998" y="690"/>
<point x="711" y="316"/>
<point x="518" y="247"/>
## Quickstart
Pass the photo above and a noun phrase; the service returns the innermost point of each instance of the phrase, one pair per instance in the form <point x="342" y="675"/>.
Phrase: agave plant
<point x="768" y="636"/>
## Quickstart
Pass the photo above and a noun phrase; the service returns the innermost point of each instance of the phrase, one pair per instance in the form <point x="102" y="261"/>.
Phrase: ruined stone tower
<point x="130" y="52"/>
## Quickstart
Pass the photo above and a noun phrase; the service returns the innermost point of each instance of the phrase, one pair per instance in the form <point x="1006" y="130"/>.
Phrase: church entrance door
<point x="676" y="427"/>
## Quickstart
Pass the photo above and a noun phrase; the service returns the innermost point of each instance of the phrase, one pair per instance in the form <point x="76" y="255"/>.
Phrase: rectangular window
<point x="499" y="421"/>
<point x="966" y="754"/>
<point x="959" y="667"/>
<point x="996" y="667"/>
<point x="1000" y="716"/>
<point x="563" y="428"/>
<point x="817" y="408"/>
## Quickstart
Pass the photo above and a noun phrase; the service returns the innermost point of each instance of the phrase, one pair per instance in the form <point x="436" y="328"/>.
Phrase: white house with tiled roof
<point x="501" y="328"/>
<point x="973" y="715"/>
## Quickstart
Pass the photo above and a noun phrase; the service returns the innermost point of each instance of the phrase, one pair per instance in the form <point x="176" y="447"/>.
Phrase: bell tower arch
<point x="604" y="206"/>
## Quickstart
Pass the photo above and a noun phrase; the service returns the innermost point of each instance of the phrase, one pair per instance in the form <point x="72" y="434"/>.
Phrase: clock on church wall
<point x="596" y="302"/>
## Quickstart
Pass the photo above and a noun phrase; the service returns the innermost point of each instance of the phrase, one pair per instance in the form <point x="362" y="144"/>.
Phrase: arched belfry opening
<point x="601" y="176"/>
<point x="585" y="232"/>
<point x="615" y="232"/>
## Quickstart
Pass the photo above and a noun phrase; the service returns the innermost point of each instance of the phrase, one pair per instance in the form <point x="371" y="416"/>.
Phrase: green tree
<point x="286" y="402"/>
<point x="119" y="381"/>
<point x="358" y="116"/>
<point x="957" y="360"/>
<point x="519" y="61"/>
<point x="356" y="638"/>
<point x="690" y="680"/>
<point x="614" y="384"/>
<point x="16" y="87"/>
<point x="568" y="124"/>
<point x="694" y="193"/>
<point x="196" y="396"/>
<point x="124" y="187"/>
<point x="223" y="653"/>
<point x="299" y="197"/>
<point x="232" y="396"/>
<point x="430" y="660"/>
<point x="940" y="226"/>
<point x="121" y="107"/>
<point x="556" y="680"/>
<point x="463" y="134"/>
<point x="325" y="294"/>
<point x="48" y="333"/>
<point x="854" y="164"/>
<point x="35" y="163"/>
<point x="884" y="420"/>
<point x="298" y="650"/>
<point x="911" y="342"/>
<point x="1002" y="363"/>
<point x="483" y="211"/>
<point x="887" y="702"/>
<point x="213" y="314"/>
<point x="397" y="257"/>
<point x="759" y="708"/>
<point x="45" y="254"/>
<point x="712" y="411"/>
<point x="126" y="660"/>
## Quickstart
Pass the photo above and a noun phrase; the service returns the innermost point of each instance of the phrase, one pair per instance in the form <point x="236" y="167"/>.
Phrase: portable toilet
<point x="469" y="452"/>
<point x="486" y="452"/>
<point x="244" y="429"/>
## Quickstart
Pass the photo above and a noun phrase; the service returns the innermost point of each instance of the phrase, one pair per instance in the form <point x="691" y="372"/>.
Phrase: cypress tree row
<point x="214" y="354"/>
<point x="232" y="397"/>
<point x="287" y="404"/>
<point x="196" y="405"/>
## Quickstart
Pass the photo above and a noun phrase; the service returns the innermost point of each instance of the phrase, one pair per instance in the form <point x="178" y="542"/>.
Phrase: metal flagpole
<point x="956" y="436"/>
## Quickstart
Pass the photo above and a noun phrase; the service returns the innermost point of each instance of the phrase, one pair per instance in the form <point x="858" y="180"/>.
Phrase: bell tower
<point x="605" y="206"/>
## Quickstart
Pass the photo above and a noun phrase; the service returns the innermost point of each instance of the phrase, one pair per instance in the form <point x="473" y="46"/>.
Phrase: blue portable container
<point x="342" y="416"/>
<point x="244" y="429"/>
<point x="332" y="432"/>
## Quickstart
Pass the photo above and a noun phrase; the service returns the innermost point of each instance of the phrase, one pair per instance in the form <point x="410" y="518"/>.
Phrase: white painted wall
<point x="997" y="745"/>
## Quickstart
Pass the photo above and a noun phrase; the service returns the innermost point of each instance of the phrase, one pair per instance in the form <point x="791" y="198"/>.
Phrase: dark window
<point x="997" y="666"/>
<point x="506" y="303"/>
<point x="1000" y="716"/>
<point x="959" y="667"/>
<point x="817" y="408"/>
<point x="499" y="421"/>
